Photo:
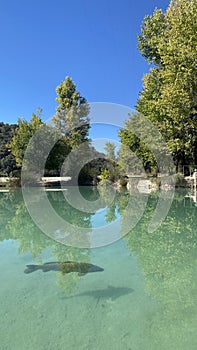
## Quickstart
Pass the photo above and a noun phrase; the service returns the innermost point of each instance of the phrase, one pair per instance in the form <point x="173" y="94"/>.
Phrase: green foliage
<point x="56" y="158"/>
<point x="109" y="170"/>
<point x="180" y="180"/>
<point x="134" y="154"/>
<point x="24" y="133"/>
<point x="7" y="160"/>
<point x="68" y="96"/>
<point x="169" y="96"/>
<point x="69" y="129"/>
<point x="152" y="31"/>
<point x="110" y="150"/>
<point x="111" y="173"/>
<point x="105" y="175"/>
<point x="71" y="120"/>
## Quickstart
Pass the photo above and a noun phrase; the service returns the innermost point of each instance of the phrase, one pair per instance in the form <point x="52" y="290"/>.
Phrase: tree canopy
<point x="24" y="133"/>
<point x="71" y="118"/>
<point x="7" y="160"/>
<point x="169" y="96"/>
<point x="68" y="131"/>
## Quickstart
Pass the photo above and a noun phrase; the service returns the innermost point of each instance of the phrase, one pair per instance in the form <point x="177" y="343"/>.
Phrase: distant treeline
<point x="8" y="165"/>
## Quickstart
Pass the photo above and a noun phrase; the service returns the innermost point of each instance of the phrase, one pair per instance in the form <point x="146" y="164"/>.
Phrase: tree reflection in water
<point x="166" y="257"/>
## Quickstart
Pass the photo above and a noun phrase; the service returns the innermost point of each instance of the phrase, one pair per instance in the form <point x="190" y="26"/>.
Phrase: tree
<point x="71" y="118"/>
<point x="169" y="96"/>
<point x="7" y="160"/>
<point x="152" y="31"/>
<point x="25" y="131"/>
<point x="139" y="146"/>
<point x="110" y="150"/>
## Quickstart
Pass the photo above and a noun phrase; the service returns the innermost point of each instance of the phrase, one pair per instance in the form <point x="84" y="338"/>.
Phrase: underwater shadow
<point x="110" y="292"/>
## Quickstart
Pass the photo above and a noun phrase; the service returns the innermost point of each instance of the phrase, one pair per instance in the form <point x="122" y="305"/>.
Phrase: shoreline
<point x="139" y="182"/>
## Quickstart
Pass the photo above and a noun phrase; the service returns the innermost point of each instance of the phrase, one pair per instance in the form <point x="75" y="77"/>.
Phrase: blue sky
<point x="94" y="42"/>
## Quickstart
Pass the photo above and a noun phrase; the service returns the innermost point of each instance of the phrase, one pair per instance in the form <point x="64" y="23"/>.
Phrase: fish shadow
<point x="110" y="292"/>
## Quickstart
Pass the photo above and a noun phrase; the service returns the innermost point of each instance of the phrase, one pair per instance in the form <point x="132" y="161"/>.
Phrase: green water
<point x="146" y="297"/>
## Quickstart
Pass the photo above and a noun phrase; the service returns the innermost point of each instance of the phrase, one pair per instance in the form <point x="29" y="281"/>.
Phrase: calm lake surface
<point x="146" y="297"/>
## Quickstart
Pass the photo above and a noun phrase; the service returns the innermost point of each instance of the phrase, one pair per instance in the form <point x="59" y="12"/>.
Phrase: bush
<point x="180" y="180"/>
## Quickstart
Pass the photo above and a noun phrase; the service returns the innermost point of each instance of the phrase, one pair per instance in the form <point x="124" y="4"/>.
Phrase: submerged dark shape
<point x="111" y="292"/>
<point x="65" y="267"/>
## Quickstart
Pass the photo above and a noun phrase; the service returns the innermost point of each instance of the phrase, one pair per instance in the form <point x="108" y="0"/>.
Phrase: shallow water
<point x="144" y="299"/>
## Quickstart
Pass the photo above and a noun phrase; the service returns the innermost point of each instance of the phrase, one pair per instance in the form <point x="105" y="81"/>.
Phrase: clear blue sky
<point x="94" y="42"/>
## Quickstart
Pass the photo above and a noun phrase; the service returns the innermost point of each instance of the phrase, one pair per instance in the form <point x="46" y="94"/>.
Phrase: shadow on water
<point x="110" y="292"/>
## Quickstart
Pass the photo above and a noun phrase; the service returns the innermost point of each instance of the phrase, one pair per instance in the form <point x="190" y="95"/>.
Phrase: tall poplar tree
<point x="71" y="119"/>
<point x="168" y="41"/>
<point x="169" y="96"/>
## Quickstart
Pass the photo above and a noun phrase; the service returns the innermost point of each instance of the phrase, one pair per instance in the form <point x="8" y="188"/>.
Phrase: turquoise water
<point x="144" y="299"/>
